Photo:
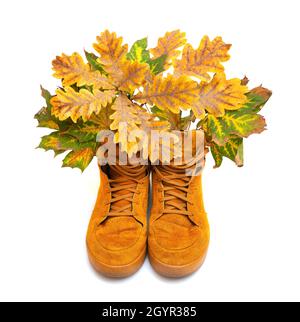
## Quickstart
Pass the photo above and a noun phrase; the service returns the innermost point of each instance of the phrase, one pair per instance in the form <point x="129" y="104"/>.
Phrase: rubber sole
<point x="117" y="271"/>
<point x="171" y="271"/>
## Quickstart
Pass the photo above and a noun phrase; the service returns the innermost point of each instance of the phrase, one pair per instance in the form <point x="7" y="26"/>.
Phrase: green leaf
<point x="162" y="115"/>
<point x="79" y="138"/>
<point x="80" y="158"/>
<point x="258" y="97"/>
<point x="233" y="150"/>
<point x="139" y="52"/>
<point x="239" y="122"/>
<point x="44" y="117"/>
<point x="84" y="132"/>
<point x="102" y="120"/>
<point x="157" y="65"/>
<point x="239" y="158"/>
<point x="81" y="152"/>
<point x="242" y="122"/>
<point x="167" y="115"/>
<point x="92" y="59"/>
<point x="47" y="96"/>
<point x="58" y="142"/>
<point x="216" y="155"/>
<point x="185" y="123"/>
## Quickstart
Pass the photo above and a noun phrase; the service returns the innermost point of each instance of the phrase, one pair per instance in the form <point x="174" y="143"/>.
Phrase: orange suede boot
<point x="179" y="229"/>
<point x="117" y="233"/>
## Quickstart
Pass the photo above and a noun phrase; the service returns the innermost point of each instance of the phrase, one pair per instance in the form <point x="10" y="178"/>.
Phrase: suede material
<point x="118" y="241"/>
<point x="174" y="239"/>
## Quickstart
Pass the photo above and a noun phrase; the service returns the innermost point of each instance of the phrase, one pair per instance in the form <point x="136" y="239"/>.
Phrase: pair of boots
<point x="118" y="237"/>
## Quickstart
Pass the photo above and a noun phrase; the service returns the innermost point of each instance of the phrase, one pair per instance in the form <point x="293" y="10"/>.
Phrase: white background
<point x="254" y="211"/>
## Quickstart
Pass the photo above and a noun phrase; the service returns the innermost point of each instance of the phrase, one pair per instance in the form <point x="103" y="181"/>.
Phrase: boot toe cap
<point x="117" y="248"/>
<point x="176" y="249"/>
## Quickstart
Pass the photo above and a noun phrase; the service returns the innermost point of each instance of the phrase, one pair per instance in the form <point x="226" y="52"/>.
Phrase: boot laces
<point x="123" y="188"/>
<point x="175" y="189"/>
<point x="175" y="185"/>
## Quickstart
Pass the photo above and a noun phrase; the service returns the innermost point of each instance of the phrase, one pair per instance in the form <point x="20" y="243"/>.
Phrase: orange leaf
<point x="73" y="70"/>
<point x="111" y="50"/>
<point x="125" y="120"/>
<point x="70" y="103"/>
<point x="168" y="45"/>
<point x="207" y="58"/>
<point x="125" y="112"/>
<point x="132" y="75"/>
<point x="220" y="95"/>
<point x="170" y="93"/>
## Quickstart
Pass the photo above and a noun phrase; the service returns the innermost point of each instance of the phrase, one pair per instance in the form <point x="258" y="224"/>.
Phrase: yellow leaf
<point x="70" y="103"/>
<point x="132" y="75"/>
<point x="207" y="58"/>
<point x="158" y="150"/>
<point x="125" y="111"/>
<point x="168" y="45"/>
<point x="125" y="120"/>
<point x="102" y="119"/>
<point x="220" y="95"/>
<point x="148" y="123"/>
<point x="73" y="70"/>
<point x="111" y="50"/>
<point x="198" y="110"/>
<point x="170" y="93"/>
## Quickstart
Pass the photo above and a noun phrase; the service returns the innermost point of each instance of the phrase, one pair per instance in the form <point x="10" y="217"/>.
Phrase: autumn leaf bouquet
<point x="172" y="87"/>
<point x="149" y="104"/>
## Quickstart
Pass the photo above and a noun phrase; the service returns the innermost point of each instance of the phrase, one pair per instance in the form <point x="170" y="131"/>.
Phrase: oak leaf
<point x="131" y="76"/>
<point x="219" y="95"/>
<point x="166" y="147"/>
<point x="170" y="93"/>
<point x="199" y="109"/>
<point x="73" y="70"/>
<point x="125" y="111"/>
<point x="112" y="51"/>
<point x="102" y="120"/>
<point x="207" y="58"/>
<point x="166" y="115"/>
<point x="162" y="149"/>
<point x="148" y="122"/>
<point x="125" y="120"/>
<point x="168" y="46"/>
<point x="84" y="103"/>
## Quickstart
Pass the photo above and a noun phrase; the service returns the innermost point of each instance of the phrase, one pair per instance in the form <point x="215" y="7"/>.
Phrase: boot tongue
<point x="125" y="171"/>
